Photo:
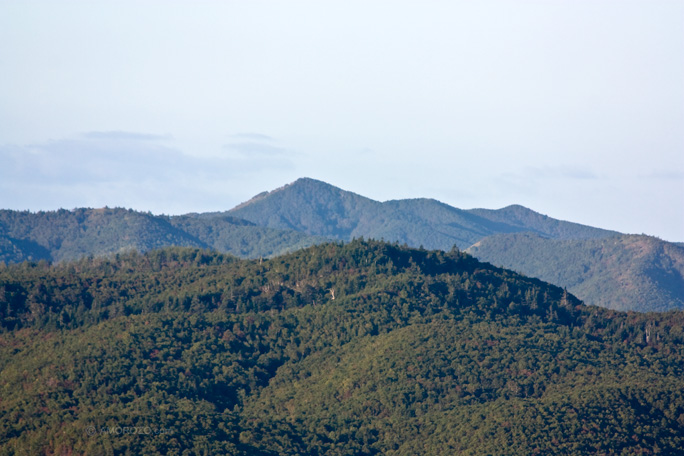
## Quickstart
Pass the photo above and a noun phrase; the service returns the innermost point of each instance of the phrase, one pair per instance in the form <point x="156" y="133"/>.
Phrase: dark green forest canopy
<point x="342" y="349"/>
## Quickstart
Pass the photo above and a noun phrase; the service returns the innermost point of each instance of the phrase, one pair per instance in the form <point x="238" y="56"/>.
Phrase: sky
<point x="574" y="109"/>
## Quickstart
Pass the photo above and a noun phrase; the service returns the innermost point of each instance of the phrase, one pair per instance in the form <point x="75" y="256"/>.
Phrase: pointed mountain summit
<point x="320" y="209"/>
<point x="310" y="206"/>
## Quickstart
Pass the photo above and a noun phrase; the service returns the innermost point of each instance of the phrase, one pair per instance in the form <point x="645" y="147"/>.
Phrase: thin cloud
<point x="124" y="136"/>
<point x="562" y="172"/>
<point x="255" y="149"/>
<point x="255" y="146"/>
<point x="88" y="160"/>
<point x="252" y="137"/>
<point x="111" y="166"/>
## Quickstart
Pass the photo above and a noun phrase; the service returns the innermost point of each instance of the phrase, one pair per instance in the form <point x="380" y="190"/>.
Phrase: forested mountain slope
<point x="64" y="235"/>
<point x="317" y="208"/>
<point x="624" y="272"/>
<point x="363" y="348"/>
<point x="561" y="252"/>
<point x="70" y="235"/>
<point x="313" y="207"/>
<point x="241" y="238"/>
<point x="524" y="219"/>
<point x="309" y="212"/>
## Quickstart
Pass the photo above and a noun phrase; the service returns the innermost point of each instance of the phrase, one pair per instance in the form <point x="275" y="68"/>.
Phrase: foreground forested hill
<point x="362" y="348"/>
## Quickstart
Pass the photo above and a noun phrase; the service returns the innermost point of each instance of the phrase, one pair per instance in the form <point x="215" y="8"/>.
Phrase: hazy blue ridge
<point x="318" y="208"/>
<point x="241" y="237"/>
<point x="624" y="272"/>
<point x="72" y="234"/>
<point x="528" y="220"/>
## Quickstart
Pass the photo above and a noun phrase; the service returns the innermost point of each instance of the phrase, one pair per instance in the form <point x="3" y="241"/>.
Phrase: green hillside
<point x="524" y="219"/>
<point x="69" y="235"/>
<point x="17" y="250"/>
<point x="65" y="235"/>
<point x="363" y="348"/>
<point x="241" y="238"/>
<point x="317" y="208"/>
<point x="623" y="272"/>
<point x="313" y="207"/>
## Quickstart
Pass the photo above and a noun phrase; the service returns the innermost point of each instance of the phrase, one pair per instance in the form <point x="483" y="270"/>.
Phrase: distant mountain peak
<point x="302" y="182"/>
<point x="308" y="180"/>
<point x="308" y="205"/>
<point x="516" y="207"/>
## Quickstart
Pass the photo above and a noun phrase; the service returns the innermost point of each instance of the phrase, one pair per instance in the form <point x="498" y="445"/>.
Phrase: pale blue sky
<point x="572" y="108"/>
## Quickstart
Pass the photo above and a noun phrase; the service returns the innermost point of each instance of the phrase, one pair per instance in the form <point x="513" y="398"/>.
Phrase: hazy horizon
<point x="572" y="109"/>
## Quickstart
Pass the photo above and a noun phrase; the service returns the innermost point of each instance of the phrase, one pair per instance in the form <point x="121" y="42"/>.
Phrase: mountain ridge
<point x="456" y="226"/>
<point x="615" y="270"/>
<point x="64" y="235"/>
<point x="428" y="223"/>
<point x="309" y="211"/>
